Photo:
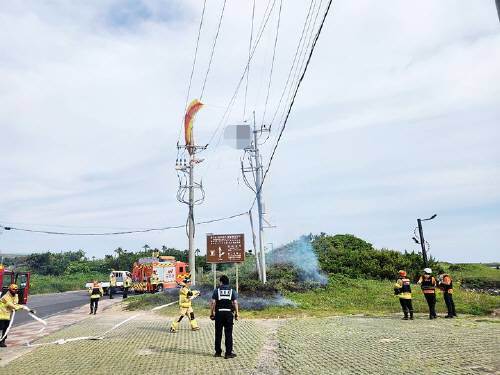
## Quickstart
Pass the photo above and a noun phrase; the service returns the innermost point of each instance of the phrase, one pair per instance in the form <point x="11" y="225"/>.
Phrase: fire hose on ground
<point x="101" y="337"/>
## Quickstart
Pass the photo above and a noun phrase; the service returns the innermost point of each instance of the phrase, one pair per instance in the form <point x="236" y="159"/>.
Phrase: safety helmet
<point x="402" y="273"/>
<point x="187" y="280"/>
<point x="427" y="270"/>
<point x="13" y="287"/>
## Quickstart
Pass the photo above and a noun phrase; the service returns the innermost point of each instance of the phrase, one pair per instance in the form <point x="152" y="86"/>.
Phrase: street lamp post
<point x="422" y="240"/>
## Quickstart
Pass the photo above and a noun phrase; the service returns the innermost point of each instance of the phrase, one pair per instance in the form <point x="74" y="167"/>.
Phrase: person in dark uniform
<point x="446" y="285"/>
<point x="428" y="284"/>
<point x="224" y="303"/>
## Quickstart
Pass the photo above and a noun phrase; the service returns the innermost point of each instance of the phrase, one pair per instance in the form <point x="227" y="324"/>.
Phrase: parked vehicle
<point x="168" y="269"/>
<point x="22" y="279"/>
<point x="120" y="277"/>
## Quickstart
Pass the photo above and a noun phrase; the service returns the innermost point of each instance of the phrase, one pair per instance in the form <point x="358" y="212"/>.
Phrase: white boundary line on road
<point x="64" y="341"/>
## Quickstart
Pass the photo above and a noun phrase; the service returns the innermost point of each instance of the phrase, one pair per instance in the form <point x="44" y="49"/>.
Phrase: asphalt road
<point x="50" y="304"/>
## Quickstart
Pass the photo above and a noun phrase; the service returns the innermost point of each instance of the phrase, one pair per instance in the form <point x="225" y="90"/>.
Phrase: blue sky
<point x="397" y="118"/>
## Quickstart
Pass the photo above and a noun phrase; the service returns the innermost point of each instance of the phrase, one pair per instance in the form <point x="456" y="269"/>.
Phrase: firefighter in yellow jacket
<point x="96" y="293"/>
<point x="9" y="303"/>
<point x="186" y="295"/>
<point x="402" y="289"/>
<point x="154" y="280"/>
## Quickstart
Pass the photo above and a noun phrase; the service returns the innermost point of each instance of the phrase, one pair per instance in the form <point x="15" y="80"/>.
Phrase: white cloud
<point x="397" y="118"/>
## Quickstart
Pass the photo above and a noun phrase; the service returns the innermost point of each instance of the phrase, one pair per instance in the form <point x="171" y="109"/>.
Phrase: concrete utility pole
<point x="256" y="169"/>
<point x="258" y="190"/>
<point x="190" y="186"/>
<point x="258" y="186"/>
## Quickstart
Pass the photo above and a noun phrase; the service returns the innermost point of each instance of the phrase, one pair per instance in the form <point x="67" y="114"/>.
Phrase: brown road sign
<point x="225" y="248"/>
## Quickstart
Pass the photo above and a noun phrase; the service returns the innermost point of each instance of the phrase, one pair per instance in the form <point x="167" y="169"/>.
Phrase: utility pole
<point x="258" y="186"/>
<point x="187" y="182"/>
<point x="421" y="240"/>
<point x="256" y="169"/>
<point x="258" y="189"/>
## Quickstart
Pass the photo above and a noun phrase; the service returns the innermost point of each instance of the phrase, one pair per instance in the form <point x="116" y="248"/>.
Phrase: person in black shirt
<point x="224" y="303"/>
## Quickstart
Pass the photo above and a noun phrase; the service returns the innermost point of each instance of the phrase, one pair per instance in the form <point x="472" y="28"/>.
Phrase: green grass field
<point x="468" y="271"/>
<point x="53" y="284"/>
<point x="342" y="296"/>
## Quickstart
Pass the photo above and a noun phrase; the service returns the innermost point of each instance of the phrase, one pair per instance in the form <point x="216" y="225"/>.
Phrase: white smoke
<point x="301" y="255"/>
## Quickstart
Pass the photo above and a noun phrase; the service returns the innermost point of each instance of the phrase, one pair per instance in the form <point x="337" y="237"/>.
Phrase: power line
<point x="303" y="53"/>
<point x="195" y="53"/>
<point x="122" y="232"/>
<point x="235" y="93"/>
<point x="316" y="37"/>
<point x="213" y="48"/>
<point x="297" y="53"/>
<point x="249" y="56"/>
<point x="192" y="72"/>
<point x="272" y="63"/>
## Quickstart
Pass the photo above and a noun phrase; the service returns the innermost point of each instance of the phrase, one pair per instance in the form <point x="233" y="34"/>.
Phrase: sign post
<point x="226" y="248"/>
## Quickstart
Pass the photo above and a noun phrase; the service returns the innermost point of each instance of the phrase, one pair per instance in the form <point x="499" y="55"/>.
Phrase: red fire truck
<point x="168" y="270"/>
<point x="22" y="279"/>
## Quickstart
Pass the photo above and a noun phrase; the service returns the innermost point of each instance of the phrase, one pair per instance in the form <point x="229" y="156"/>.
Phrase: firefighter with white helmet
<point x="186" y="296"/>
<point x="428" y="284"/>
<point x="402" y="289"/>
<point x="9" y="303"/>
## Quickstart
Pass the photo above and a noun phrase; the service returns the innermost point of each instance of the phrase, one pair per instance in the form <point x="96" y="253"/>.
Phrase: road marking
<point x="65" y="341"/>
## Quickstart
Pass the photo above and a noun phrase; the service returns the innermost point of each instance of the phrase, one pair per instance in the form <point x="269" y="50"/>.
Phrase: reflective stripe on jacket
<point x="447" y="284"/>
<point x="96" y="292"/>
<point x="428" y="284"/>
<point x="224" y="301"/>
<point x="403" y="288"/>
<point x="8" y="303"/>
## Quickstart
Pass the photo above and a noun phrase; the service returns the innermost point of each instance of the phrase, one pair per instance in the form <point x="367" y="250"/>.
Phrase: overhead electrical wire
<point x="249" y="56"/>
<point x="272" y="63"/>
<point x="195" y="54"/>
<point x="191" y="76"/>
<point x="264" y="23"/>
<point x="8" y="228"/>
<point x="292" y="102"/>
<point x="302" y="56"/>
<point x="294" y="61"/>
<point x="213" y="49"/>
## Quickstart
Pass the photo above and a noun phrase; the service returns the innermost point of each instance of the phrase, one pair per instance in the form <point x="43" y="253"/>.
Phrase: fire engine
<point x="22" y="279"/>
<point x="168" y="270"/>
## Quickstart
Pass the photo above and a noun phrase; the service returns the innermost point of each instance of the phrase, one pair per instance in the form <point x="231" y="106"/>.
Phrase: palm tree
<point x="146" y="247"/>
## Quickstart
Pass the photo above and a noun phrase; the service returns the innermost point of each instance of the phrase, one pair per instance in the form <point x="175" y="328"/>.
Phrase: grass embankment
<point x="342" y="296"/>
<point x="474" y="275"/>
<point x="53" y="284"/>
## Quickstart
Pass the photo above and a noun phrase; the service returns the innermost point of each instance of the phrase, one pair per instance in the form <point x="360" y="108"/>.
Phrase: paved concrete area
<point x="336" y="345"/>
<point x="360" y="345"/>
<point x="19" y="336"/>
